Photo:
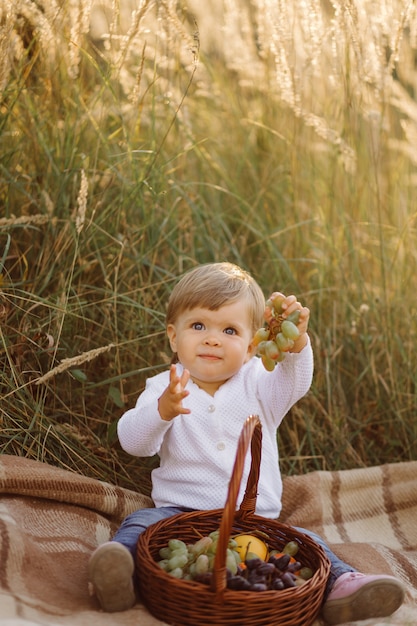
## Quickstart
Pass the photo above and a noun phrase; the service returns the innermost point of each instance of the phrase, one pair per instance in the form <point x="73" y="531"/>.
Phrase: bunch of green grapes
<point x="193" y="561"/>
<point x="278" y="335"/>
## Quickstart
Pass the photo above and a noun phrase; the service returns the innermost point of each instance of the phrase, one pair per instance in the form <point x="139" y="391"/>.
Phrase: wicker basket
<point x="189" y="603"/>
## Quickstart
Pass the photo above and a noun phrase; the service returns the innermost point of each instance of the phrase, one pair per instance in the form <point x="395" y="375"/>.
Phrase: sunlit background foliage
<point x="140" y="138"/>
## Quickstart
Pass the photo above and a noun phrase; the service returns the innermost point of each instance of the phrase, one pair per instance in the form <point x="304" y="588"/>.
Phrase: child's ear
<point x="172" y="336"/>
<point x="252" y="349"/>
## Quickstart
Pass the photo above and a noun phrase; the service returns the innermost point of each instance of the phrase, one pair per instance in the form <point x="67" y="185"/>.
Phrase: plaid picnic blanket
<point x="52" y="519"/>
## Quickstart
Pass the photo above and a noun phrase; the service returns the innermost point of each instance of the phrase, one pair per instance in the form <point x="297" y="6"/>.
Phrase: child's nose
<point x="212" y="339"/>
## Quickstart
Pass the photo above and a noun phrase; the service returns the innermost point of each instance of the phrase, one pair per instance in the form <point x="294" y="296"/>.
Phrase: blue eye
<point x="197" y="326"/>
<point x="230" y="331"/>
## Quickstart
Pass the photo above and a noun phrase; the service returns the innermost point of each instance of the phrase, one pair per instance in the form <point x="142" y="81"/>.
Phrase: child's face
<point x="212" y="345"/>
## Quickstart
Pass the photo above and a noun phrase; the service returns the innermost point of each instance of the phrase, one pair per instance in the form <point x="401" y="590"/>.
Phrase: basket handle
<point x="251" y="433"/>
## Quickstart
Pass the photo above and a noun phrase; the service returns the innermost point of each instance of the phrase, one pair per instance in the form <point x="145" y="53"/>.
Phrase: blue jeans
<point x="135" y="523"/>
<point x="337" y="566"/>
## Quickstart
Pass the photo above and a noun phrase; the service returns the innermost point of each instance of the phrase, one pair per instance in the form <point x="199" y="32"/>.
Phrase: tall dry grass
<point x="141" y="138"/>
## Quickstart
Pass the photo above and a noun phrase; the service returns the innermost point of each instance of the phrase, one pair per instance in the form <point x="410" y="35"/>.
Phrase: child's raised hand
<point x="170" y="403"/>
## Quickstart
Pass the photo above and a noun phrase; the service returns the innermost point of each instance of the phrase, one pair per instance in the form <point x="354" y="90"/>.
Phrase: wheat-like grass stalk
<point x="79" y="15"/>
<point x="81" y="203"/>
<point x="25" y="220"/>
<point x="72" y="362"/>
<point x="170" y="14"/>
<point x="131" y="36"/>
<point x="42" y="23"/>
<point x="239" y="39"/>
<point x="7" y="44"/>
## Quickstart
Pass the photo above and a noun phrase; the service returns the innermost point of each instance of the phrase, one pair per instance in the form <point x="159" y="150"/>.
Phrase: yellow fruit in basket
<point x="252" y="544"/>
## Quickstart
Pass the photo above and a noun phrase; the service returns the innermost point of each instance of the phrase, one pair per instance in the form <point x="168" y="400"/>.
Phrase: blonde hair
<point x="213" y="285"/>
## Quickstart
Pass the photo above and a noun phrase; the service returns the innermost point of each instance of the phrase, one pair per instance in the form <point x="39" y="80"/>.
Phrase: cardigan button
<point x="211" y="408"/>
<point x="221" y="445"/>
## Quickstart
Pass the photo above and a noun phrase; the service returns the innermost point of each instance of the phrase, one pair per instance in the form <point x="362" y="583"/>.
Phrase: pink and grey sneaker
<point x="110" y="572"/>
<point x="357" y="596"/>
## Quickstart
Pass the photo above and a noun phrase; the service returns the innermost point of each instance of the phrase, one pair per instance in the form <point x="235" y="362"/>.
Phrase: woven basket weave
<point x="189" y="603"/>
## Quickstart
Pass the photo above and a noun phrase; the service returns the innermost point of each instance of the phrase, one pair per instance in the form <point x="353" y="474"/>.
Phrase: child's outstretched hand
<point x="289" y="305"/>
<point x="170" y="403"/>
